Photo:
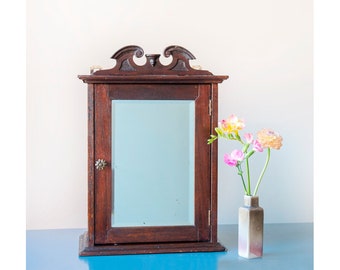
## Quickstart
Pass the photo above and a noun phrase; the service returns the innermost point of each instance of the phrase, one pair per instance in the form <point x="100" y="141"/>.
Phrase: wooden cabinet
<point x="152" y="177"/>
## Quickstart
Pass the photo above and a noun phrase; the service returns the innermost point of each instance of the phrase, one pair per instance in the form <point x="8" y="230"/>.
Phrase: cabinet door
<point x="156" y="186"/>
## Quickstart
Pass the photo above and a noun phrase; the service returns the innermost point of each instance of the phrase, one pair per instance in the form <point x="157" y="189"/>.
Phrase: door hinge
<point x="209" y="217"/>
<point x="210" y="107"/>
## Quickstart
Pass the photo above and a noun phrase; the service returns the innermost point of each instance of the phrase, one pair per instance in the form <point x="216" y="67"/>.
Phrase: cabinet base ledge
<point x="86" y="249"/>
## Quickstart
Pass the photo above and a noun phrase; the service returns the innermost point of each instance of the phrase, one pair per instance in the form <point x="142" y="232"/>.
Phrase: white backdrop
<point x="265" y="46"/>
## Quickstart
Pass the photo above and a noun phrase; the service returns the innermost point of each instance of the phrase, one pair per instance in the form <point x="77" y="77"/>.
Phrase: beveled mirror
<point x="152" y="161"/>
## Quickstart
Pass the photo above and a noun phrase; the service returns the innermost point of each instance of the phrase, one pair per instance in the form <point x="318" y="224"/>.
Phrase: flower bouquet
<point x="266" y="139"/>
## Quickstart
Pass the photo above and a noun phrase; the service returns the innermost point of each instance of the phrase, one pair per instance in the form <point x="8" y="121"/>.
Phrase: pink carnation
<point x="229" y="160"/>
<point x="237" y="154"/>
<point x="234" y="157"/>
<point x="257" y="146"/>
<point x="249" y="137"/>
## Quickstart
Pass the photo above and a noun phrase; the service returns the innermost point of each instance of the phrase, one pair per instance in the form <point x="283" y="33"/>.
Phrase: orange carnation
<point x="269" y="139"/>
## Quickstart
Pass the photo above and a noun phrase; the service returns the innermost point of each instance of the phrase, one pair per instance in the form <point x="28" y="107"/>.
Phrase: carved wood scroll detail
<point x="125" y="64"/>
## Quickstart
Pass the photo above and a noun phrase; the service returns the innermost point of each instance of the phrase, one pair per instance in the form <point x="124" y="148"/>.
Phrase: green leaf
<point x="212" y="139"/>
<point x="219" y="132"/>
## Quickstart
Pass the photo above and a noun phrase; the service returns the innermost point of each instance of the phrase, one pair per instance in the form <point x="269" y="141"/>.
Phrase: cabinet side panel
<point x="90" y="172"/>
<point x="213" y="157"/>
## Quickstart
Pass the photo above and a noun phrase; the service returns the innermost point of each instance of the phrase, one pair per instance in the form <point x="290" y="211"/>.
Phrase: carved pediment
<point x="125" y="64"/>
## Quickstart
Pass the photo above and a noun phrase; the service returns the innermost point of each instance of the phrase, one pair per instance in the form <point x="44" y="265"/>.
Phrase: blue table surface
<point x="286" y="246"/>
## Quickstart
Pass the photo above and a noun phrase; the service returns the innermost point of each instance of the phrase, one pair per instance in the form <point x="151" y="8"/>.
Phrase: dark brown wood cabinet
<point x="152" y="177"/>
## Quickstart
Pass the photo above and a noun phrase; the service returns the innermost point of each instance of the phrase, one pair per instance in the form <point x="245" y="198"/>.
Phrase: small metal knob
<point x="100" y="164"/>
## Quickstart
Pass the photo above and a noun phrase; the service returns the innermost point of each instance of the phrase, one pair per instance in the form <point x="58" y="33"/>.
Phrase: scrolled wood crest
<point x="125" y="64"/>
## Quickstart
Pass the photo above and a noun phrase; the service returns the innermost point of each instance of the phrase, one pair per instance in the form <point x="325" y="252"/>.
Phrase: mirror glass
<point x="153" y="151"/>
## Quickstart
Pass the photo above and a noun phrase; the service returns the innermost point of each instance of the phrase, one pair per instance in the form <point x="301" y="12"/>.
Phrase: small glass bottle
<point x="250" y="228"/>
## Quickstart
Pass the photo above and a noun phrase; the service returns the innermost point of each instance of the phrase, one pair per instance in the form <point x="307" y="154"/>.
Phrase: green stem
<point x="240" y="173"/>
<point x="262" y="173"/>
<point x="248" y="177"/>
